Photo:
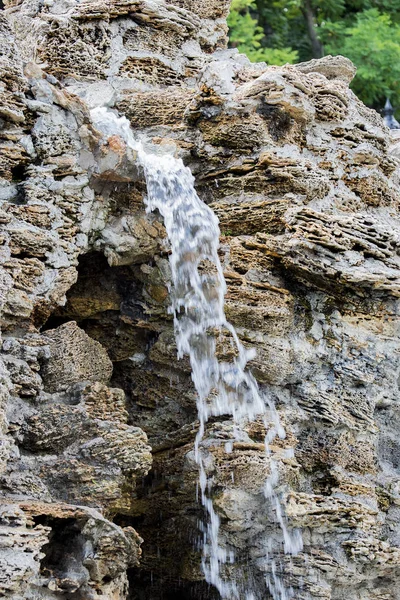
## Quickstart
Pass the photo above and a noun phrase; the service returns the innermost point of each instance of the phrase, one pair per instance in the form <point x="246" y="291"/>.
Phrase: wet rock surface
<point x="97" y="416"/>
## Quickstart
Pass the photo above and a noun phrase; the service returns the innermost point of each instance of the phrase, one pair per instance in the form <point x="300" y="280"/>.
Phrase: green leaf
<point x="247" y="35"/>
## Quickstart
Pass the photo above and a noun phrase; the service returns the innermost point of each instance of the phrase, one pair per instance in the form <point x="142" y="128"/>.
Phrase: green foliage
<point x="329" y="9"/>
<point x="278" y="56"/>
<point x="373" y="44"/>
<point x="390" y="7"/>
<point x="247" y="36"/>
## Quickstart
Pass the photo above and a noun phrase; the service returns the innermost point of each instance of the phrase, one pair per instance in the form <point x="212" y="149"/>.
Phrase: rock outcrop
<point x="97" y="416"/>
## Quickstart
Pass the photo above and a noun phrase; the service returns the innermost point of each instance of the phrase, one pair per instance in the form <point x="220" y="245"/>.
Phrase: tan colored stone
<point x="74" y="357"/>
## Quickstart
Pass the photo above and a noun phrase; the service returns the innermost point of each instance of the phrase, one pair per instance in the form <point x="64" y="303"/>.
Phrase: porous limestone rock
<point x="97" y="416"/>
<point x="49" y="550"/>
<point x="73" y="357"/>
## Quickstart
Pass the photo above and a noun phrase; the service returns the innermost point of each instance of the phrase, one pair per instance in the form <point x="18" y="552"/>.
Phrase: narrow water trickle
<point x="197" y="304"/>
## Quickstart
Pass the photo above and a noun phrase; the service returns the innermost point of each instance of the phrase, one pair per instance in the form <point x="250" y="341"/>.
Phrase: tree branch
<point x="308" y="13"/>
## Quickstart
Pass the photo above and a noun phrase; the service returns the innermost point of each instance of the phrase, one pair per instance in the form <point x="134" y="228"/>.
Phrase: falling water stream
<point x="197" y="304"/>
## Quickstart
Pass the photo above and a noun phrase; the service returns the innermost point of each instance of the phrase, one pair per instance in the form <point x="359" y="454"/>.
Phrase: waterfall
<point x="197" y="304"/>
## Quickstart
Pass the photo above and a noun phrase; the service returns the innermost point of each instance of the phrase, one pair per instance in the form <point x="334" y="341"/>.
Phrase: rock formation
<point x="97" y="416"/>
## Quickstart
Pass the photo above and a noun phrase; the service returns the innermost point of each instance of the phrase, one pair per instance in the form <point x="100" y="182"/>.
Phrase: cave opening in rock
<point x="151" y="586"/>
<point x="18" y="171"/>
<point x="64" y="555"/>
<point x="108" y="303"/>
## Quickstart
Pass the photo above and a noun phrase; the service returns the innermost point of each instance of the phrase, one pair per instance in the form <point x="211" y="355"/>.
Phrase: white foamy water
<point x="197" y="304"/>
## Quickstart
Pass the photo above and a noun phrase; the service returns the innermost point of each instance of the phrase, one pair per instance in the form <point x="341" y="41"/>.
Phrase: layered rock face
<point x="97" y="416"/>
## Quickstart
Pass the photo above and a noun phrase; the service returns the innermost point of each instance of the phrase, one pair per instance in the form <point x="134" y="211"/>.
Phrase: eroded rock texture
<point x="97" y="417"/>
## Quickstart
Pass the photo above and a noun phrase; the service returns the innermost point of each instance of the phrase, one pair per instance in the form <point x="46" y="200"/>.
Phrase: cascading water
<point x="223" y="388"/>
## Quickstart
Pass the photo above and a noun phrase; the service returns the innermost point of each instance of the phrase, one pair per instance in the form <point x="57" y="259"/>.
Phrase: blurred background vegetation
<point x="290" y="31"/>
